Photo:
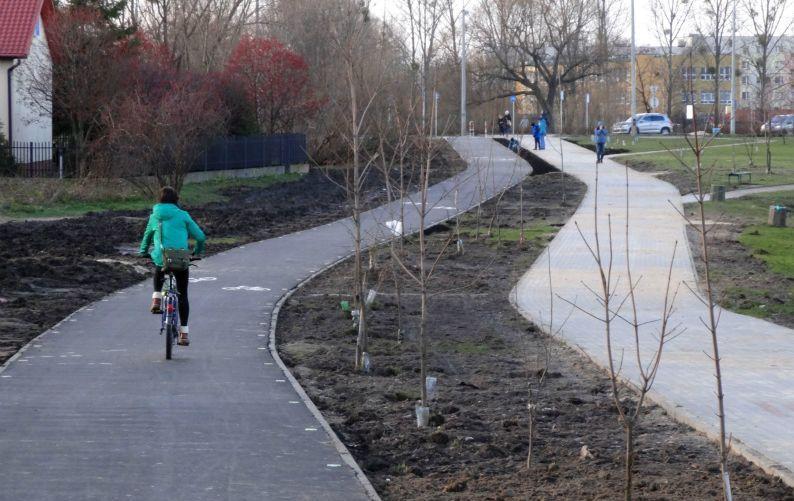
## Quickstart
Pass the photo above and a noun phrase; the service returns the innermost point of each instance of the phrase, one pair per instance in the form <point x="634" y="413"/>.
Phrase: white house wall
<point x="30" y="122"/>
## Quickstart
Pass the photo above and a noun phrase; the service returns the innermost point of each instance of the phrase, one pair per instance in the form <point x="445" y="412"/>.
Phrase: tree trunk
<point x="629" y="432"/>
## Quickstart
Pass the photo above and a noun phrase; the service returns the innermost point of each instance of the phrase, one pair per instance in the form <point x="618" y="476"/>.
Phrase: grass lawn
<point x="655" y="142"/>
<point x="759" y="296"/>
<point x="33" y="198"/>
<point x="718" y="162"/>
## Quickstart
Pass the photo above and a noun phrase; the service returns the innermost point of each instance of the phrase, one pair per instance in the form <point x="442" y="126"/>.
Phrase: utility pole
<point x="633" y="68"/>
<point x="463" y="73"/>
<point x="257" y="31"/>
<point x="733" y="72"/>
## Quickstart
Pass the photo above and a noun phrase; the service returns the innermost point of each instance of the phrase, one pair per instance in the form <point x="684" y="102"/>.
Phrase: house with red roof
<point x="23" y="43"/>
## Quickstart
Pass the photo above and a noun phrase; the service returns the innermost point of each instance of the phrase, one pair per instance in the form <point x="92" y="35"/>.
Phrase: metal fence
<point x="35" y="159"/>
<point x="246" y="152"/>
<point x="227" y="153"/>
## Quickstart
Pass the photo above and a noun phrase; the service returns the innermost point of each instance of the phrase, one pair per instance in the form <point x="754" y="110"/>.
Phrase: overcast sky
<point x="644" y="19"/>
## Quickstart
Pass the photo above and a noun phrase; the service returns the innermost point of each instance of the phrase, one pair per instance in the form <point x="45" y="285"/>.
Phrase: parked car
<point x="780" y="125"/>
<point x="647" y="123"/>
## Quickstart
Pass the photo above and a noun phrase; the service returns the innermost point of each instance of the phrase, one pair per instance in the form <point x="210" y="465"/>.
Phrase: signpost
<point x="512" y="113"/>
<point x="587" y="111"/>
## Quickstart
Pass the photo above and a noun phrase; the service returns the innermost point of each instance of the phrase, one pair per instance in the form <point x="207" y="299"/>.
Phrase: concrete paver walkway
<point x="92" y="411"/>
<point x="758" y="356"/>
<point x="742" y="192"/>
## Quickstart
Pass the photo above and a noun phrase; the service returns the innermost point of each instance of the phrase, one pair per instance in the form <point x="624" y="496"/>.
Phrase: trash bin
<point x="717" y="193"/>
<point x="777" y="215"/>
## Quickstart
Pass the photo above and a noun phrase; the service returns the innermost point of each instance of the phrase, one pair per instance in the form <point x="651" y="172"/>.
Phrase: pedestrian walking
<point x="543" y="127"/>
<point x="600" y="135"/>
<point x="501" y="123"/>
<point x="635" y="131"/>
<point x="536" y="135"/>
<point x="508" y="122"/>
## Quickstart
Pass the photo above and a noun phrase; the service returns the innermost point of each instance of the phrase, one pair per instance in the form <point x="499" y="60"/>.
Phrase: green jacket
<point x="177" y="227"/>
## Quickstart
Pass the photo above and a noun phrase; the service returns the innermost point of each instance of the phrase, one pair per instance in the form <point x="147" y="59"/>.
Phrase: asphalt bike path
<point x="90" y="410"/>
<point x="757" y="356"/>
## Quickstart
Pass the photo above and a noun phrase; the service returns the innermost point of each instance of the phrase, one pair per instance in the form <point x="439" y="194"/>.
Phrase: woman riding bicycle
<point x="169" y="227"/>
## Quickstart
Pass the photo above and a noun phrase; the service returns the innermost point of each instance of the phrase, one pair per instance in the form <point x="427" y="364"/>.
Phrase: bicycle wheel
<point x="170" y="337"/>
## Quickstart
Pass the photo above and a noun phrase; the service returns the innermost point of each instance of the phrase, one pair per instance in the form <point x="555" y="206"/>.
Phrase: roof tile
<point x="17" y="21"/>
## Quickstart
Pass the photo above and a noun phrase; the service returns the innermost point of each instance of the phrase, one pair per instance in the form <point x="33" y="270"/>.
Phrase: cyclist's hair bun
<point x="168" y="195"/>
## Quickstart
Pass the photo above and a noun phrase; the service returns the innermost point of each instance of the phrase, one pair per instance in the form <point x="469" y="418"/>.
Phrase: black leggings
<point x="181" y="287"/>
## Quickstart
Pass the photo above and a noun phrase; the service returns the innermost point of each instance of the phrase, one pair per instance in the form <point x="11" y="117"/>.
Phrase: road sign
<point x="587" y="98"/>
<point x="654" y="102"/>
<point x="512" y="99"/>
<point x="562" y="95"/>
<point x="690" y="112"/>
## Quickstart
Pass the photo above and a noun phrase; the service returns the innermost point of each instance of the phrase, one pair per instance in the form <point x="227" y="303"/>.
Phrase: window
<point x="745" y="65"/>
<point x="746" y="80"/>
<point x="706" y="97"/>
<point x="688" y="73"/>
<point x="705" y="74"/>
<point x="725" y="73"/>
<point x="745" y="95"/>
<point x="725" y="97"/>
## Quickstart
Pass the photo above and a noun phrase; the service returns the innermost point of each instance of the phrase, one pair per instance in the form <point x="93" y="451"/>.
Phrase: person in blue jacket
<point x="600" y="135"/>
<point x="543" y="127"/>
<point x="536" y="135"/>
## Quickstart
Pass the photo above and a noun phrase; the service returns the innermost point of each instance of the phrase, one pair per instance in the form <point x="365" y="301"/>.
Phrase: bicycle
<point x="169" y="311"/>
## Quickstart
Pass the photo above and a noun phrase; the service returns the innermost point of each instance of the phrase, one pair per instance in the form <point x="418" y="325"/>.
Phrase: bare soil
<point x="485" y="357"/>
<point x="684" y="181"/>
<point x="51" y="268"/>
<point x="739" y="279"/>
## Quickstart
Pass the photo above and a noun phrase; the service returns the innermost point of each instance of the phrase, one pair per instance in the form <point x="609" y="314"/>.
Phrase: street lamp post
<point x="733" y="72"/>
<point x="463" y="73"/>
<point x="633" y="68"/>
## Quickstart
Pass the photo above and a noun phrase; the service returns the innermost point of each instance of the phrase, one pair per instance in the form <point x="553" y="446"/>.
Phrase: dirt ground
<point x="741" y="280"/>
<point x="52" y="268"/>
<point x="684" y="181"/>
<point x="485" y="357"/>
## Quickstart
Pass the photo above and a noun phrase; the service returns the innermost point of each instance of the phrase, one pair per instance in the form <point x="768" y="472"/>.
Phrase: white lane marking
<point x="396" y="227"/>
<point x="268" y="363"/>
<point x="254" y="288"/>
<point x="333" y="465"/>
<point x="294" y="402"/>
<point x="310" y="429"/>
<point x="281" y="380"/>
<point x="201" y="279"/>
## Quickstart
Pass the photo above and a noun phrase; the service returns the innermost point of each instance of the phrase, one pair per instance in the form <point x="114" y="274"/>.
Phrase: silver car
<point x="647" y="123"/>
<point x="781" y="125"/>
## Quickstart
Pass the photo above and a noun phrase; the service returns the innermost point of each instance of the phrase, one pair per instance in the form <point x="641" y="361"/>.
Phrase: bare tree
<point x="699" y="224"/>
<point x="200" y="33"/>
<point x="349" y="26"/>
<point x="712" y="26"/>
<point x="769" y="20"/>
<point x="541" y="45"/>
<point x="670" y="18"/>
<point x="424" y="18"/>
<point x="611" y="302"/>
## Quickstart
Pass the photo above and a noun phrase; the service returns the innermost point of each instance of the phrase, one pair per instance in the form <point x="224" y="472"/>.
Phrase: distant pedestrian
<point x="501" y="123"/>
<point x="536" y="135"/>
<point x="600" y="134"/>
<point x="508" y="122"/>
<point x="635" y="131"/>
<point x="543" y="127"/>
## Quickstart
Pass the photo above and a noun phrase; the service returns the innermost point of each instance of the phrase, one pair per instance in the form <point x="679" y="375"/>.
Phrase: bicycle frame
<point x="170" y="304"/>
